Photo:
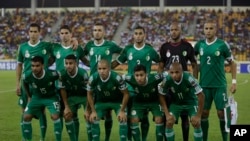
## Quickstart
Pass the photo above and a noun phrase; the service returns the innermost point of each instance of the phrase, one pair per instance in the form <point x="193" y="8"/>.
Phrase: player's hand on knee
<point x="86" y="115"/>
<point x="170" y="120"/>
<point x="67" y="113"/>
<point x="122" y="117"/>
<point x="93" y="117"/>
<point x="195" y="121"/>
<point x="18" y="91"/>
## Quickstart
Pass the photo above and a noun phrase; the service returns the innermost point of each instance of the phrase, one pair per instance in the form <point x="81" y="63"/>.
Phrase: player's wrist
<point x="234" y="81"/>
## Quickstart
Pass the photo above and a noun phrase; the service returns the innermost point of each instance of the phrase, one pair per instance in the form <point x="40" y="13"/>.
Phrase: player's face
<point x="175" y="73"/>
<point x="98" y="32"/>
<point x="175" y="32"/>
<point x="103" y="70"/>
<point x="65" y="35"/>
<point x="209" y="30"/>
<point x="37" y="68"/>
<point x="70" y="66"/>
<point x="139" y="36"/>
<point x="140" y="77"/>
<point x="34" y="34"/>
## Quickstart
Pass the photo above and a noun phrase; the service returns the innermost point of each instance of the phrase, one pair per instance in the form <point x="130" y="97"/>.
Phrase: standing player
<point x="39" y="84"/>
<point x="26" y="52"/>
<point x="60" y="51"/>
<point x="178" y="50"/>
<point x="73" y="92"/>
<point x="146" y="99"/>
<point x="134" y="54"/>
<point x="185" y="91"/>
<point x="98" y="49"/>
<point x="110" y="93"/>
<point x="213" y="52"/>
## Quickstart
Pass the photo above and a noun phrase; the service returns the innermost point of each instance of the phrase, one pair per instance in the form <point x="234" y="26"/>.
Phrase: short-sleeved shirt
<point x="147" y="93"/>
<point x="27" y="51"/>
<point x="133" y="55"/>
<point x="181" y="52"/>
<point x="101" y="51"/>
<point x="183" y="92"/>
<point x="212" y="58"/>
<point x="60" y="52"/>
<point x="108" y="90"/>
<point x="74" y="85"/>
<point x="43" y="87"/>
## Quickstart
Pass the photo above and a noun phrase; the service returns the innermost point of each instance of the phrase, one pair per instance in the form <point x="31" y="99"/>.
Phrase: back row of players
<point x="137" y="92"/>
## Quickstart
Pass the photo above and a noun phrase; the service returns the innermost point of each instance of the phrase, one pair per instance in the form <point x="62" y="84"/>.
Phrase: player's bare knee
<point x="220" y="114"/>
<point x="169" y="124"/>
<point x="27" y="117"/>
<point x="54" y="116"/>
<point x="158" y="120"/>
<point x="205" y="114"/>
<point x="134" y="120"/>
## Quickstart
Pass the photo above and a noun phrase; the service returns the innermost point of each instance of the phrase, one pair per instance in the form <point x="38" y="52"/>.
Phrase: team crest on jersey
<point x="91" y="52"/>
<point x="201" y="52"/>
<point x="113" y="88"/>
<point x="136" y="90"/>
<point x="153" y="90"/>
<point x="107" y="52"/>
<point x="99" y="87"/>
<point x="130" y="57"/>
<point x="50" y="83"/>
<point x="133" y="112"/>
<point x="34" y="85"/>
<point x="147" y="57"/>
<point x="217" y="53"/>
<point x="172" y="89"/>
<point x="58" y="55"/>
<point x="44" y="51"/>
<point x="27" y="54"/>
<point x="168" y="53"/>
<point x="184" y="53"/>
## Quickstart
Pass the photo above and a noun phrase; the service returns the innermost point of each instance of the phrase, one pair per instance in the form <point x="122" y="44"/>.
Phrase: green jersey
<point x="27" y="51"/>
<point x="147" y="93"/>
<point x="183" y="92"/>
<point x="98" y="52"/>
<point x="134" y="56"/>
<point x="74" y="85"/>
<point x="108" y="90"/>
<point x="60" y="52"/>
<point x="43" y="86"/>
<point x="212" y="59"/>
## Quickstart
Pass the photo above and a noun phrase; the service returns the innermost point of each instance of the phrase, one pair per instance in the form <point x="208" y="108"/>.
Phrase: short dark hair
<point x="140" y="67"/>
<point x="139" y="27"/>
<point x="38" y="59"/>
<point x="71" y="56"/>
<point x="65" y="27"/>
<point x="35" y="25"/>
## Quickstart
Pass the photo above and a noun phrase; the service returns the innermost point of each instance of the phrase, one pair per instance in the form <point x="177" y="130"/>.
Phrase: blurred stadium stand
<point x="234" y="26"/>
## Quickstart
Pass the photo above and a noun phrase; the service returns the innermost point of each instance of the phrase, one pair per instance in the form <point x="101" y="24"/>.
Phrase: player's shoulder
<point x="185" y="42"/>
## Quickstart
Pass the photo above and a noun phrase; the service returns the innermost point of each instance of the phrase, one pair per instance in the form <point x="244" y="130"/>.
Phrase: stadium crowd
<point x="234" y="26"/>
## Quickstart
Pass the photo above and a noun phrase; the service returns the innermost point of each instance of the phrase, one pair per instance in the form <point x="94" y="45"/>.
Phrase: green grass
<point x="10" y="114"/>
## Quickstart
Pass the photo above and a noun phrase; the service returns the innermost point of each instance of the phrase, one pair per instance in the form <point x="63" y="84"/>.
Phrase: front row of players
<point x="106" y="90"/>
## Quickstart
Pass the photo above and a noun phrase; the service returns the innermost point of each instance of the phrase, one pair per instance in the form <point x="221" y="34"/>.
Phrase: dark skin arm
<point x="114" y="64"/>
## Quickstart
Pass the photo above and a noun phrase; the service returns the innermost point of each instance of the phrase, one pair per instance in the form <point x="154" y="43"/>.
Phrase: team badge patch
<point x="168" y="54"/>
<point x="91" y="52"/>
<point x="217" y="53"/>
<point x="133" y="112"/>
<point x="27" y="54"/>
<point x="107" y="52"/>
<point x="130" y="57"/>
<point x="44" y="51"/>
<point x="58" y="55"/>
<point x="184" y="53"/>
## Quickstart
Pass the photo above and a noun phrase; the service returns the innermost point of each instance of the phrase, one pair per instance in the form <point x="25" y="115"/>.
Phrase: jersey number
<point x="180" y="95"/>
<point x="175" y="58"/>
<point x="97" y="58"/>
<point x="208" y="60"/>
